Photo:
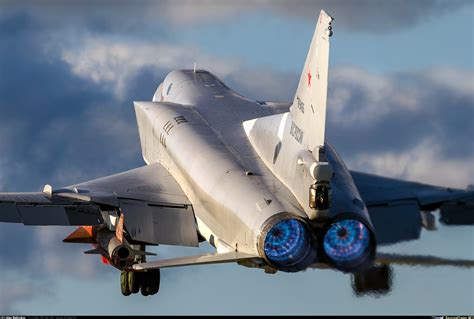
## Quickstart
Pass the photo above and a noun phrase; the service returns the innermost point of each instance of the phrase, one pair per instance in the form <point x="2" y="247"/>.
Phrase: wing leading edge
<point x="155" y="208"/>
<point x="399" y="209"/>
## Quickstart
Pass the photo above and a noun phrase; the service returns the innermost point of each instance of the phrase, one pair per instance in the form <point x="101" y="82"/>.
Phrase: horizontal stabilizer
<point x="233" y="256"/>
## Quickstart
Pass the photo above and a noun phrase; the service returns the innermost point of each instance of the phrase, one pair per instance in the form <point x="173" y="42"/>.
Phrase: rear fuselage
<point x="196" y="132"/>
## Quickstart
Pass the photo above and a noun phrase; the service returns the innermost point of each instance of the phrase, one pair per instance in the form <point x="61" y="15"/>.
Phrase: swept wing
<point x="399" y="209"/>
<point x="155" y="208"/>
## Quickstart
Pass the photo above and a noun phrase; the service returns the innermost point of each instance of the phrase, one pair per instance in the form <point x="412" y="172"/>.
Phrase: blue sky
<point x="279" y="43"/>
<point x="401" y="103"/>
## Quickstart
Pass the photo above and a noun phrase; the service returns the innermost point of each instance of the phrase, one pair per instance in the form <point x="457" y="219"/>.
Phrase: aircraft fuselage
<point x="196" y="132"/>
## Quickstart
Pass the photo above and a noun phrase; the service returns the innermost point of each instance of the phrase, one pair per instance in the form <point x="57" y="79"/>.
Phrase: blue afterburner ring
<point x="287" y="243"/>
<point x="347" y="242"/>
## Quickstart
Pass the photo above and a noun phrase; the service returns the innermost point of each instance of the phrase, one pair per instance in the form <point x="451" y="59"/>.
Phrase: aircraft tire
<point x="150" y="282"/>
<point x="124" y="284"/>
<point x="154" y="281"/>
<point x="144" y="289"/>
<point x="134" y="279"/>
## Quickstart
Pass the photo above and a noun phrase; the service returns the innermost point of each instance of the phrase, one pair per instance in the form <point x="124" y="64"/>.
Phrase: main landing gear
<point x="133" y="281"/>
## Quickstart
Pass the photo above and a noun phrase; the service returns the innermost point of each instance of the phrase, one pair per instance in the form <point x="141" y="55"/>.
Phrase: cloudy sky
<point x="401" y="104"/>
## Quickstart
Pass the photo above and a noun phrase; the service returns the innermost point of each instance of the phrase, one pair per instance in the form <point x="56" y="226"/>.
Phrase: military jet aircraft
<point x="257" y="180"/>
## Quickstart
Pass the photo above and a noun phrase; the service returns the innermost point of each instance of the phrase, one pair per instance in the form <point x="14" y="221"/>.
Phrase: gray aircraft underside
<point x="257" y="180"/>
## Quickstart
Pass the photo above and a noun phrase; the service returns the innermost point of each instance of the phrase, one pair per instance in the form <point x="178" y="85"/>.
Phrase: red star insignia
<point x="309" y="78"/>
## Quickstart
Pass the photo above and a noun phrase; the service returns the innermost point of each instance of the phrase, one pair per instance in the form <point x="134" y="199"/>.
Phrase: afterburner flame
<point x="287" y="243"/>
<point x="347" y="243"/>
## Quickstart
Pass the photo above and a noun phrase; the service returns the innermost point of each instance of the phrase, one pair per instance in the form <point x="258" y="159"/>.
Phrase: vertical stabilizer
<point x="309" y="105"/>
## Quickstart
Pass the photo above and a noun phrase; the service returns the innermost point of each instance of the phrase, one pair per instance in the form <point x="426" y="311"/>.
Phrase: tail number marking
<point x="300" y="104"/>
<point x="296" y="132"/>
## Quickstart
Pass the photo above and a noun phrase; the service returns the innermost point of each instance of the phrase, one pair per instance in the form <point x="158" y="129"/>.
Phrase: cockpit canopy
<point x="197" y="79"/>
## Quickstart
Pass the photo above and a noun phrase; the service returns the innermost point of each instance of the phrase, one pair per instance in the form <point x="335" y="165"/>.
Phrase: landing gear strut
<point x="147" y="282"/>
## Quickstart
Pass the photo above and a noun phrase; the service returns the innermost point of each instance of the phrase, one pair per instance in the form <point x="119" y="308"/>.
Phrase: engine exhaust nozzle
<point x="349" y="245"/>
<point x="287" y="243"/>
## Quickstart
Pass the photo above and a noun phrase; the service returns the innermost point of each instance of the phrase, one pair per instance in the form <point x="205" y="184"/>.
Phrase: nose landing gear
<point x="147" y="282"/>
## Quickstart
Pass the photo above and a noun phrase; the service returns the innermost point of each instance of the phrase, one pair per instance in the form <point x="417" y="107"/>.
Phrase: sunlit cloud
<point x="424" y="162"/>
<point x="114" y="62"/>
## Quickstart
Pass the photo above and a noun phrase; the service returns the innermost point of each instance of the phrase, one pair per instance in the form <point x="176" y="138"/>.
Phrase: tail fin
<point x="309" y="105"/>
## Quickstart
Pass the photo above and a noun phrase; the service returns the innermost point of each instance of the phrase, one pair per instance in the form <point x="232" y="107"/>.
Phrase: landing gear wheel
<point x="134" y="279"/>
<point x="124" y="284"/>
<point x="150" y="283"/>
<point x="144" y="290"/>
<point x="154" y="280"/>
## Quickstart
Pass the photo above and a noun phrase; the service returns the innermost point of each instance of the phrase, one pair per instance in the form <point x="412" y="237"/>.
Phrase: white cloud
<point x="412" y="125"/>
<point x="10" y="130"/>
<point x="14" y="291"/>
<point x="357" y="96"/>
<point x="114" y="62"/>
<point x="421" y="163"/>
<point x="54" y="257"/>
<point x="346" y="82"/>
<point x="460" y="81"/>
<point x="357" y="99"/>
